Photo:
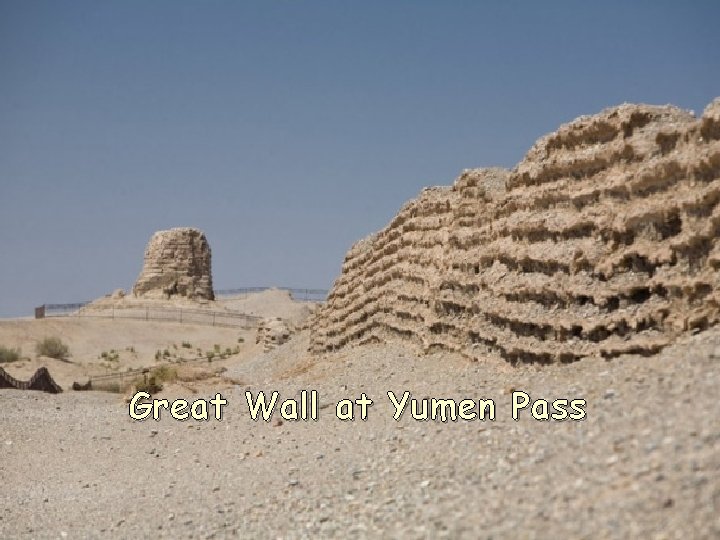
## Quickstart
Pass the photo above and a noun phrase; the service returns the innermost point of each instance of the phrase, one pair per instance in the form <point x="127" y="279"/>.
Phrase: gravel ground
<point x="645" y="463"/>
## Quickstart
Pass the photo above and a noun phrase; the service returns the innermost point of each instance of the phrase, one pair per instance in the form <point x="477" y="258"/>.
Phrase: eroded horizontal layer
<point x="177" y="263"/>
<point x="602" y="241"/>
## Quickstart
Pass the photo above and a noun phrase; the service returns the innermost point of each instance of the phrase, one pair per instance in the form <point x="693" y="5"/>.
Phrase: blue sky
<point x="288" y="130"/>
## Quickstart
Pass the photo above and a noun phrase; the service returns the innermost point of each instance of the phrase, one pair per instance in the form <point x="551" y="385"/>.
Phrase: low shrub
<point x="152" y="382"/>
<point x="164" y="373"/>
<point x="8" y="355"/>
<point x="112" y="356"/>
<point x="148" y="384"/>
<point x="53" y="347"/>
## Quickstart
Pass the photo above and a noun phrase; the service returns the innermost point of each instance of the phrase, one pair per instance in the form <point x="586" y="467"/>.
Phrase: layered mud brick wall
<point x="272" y="333"/>
<point x="177" y="263"/>
<point x="602" y="241"/>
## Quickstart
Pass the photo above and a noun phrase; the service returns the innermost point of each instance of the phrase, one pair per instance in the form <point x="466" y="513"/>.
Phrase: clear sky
<point x="287" y="130"/>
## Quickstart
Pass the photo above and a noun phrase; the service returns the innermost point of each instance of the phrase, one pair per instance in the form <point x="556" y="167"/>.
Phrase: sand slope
<point x="645" y="462"/>
<point x="88" y="338"/>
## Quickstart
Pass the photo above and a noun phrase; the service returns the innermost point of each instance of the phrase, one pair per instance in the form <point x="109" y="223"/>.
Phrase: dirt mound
<point x="602" y="241"/>
<point x="273" y="333"/>
<point x="270" y="304"/>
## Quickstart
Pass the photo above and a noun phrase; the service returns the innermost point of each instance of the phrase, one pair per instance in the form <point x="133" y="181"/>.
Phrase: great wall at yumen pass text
<point x="307" y="407"/>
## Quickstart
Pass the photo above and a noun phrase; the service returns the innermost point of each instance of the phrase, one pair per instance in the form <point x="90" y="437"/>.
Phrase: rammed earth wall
<point x="604" y="240"/>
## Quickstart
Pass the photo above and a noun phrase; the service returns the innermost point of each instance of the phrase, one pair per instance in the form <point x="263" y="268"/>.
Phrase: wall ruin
<point x="603" y="240"/>
<point x="177" y="263"/>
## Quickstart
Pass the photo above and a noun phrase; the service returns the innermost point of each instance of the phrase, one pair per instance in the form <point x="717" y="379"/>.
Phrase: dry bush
<point x="52" y="347"/>
<point x="8" y="355"/>
<point x="148" y="384"/>
<point x="152" y="382"/>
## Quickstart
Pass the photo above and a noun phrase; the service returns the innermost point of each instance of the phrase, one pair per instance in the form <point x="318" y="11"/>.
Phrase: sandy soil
<point x="270" y="303"/>
<point x="645" y="463"/>
<point x="136" y="343"/>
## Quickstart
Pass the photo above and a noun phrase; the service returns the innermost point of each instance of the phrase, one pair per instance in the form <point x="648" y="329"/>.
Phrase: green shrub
<point x="217" y="348"/>
<point x="52" y="347"/>
<point x="9" y="355"/>
<point x="112" y="356"/>
<point x="164" y="373"/>
<point x="186" y="345"/>
<point x="152" y="382"/>
<point x="241" y="340"/>
<point x="148" y="384"/>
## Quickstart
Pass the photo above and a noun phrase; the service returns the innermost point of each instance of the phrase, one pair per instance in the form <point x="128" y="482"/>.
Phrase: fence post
<point x="213" y="318"/>
<point x="147" y="313"/>
<point x="181" y="315"/>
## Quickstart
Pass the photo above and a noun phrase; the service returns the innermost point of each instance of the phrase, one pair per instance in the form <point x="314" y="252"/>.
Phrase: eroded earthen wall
<point x="603" y="240"/>
<point x="41" y="381"/>
<point x="177" y="263"/>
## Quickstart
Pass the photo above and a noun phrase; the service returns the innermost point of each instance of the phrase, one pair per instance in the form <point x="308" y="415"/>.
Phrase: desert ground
<point x="587" y="273"/>
<point x="644" y="463"/>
